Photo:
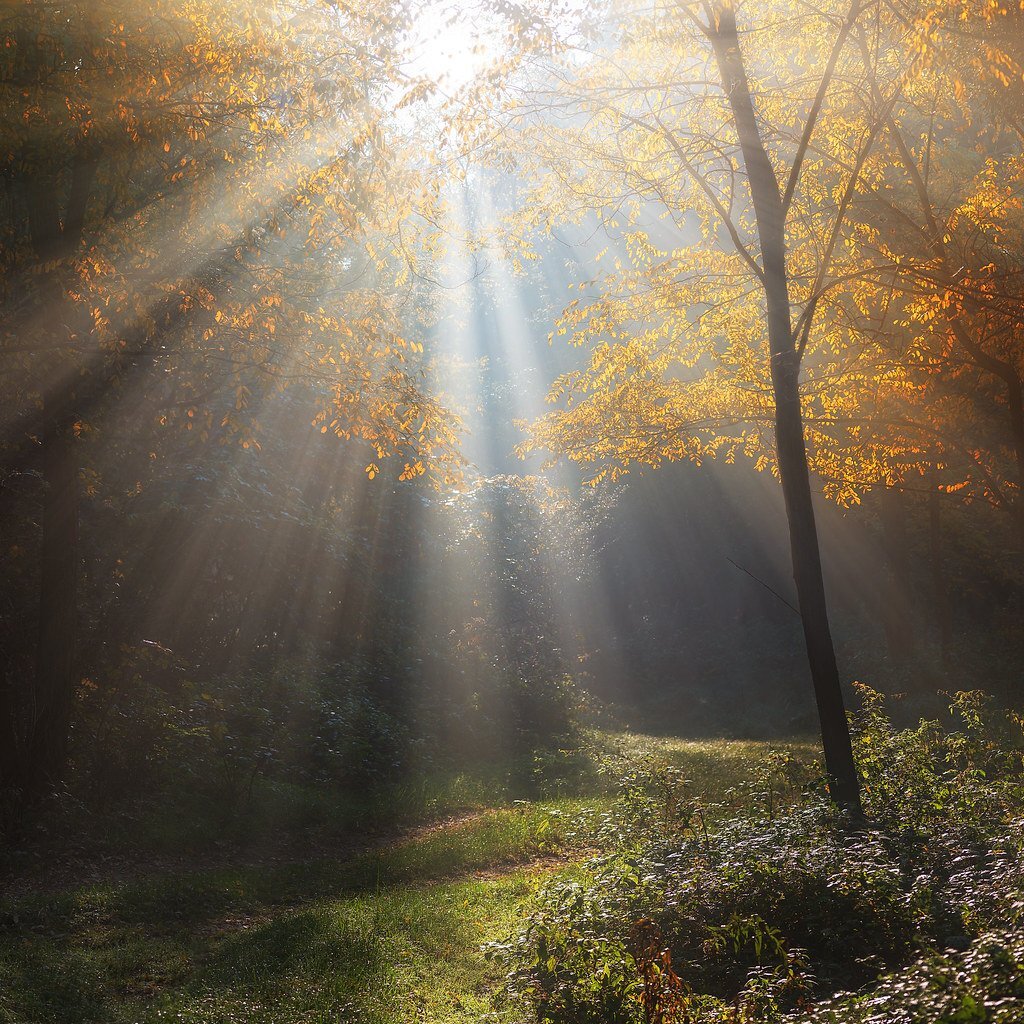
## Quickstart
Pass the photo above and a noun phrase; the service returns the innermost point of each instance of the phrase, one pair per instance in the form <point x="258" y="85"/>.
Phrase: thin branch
<point x="771" y="590"/>
<point x="819" y="99"/>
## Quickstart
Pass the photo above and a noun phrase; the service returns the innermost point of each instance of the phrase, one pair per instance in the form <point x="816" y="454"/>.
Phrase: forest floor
<point x="385" y="930"/>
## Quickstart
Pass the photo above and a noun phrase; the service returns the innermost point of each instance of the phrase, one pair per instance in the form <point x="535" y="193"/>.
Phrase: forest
<point x="512" y="511"/>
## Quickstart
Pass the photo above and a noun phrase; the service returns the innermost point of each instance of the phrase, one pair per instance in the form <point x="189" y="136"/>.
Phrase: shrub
<point x="147" y="728"/>
<point x="984" y="985"/>
<point x="772" y="912"/>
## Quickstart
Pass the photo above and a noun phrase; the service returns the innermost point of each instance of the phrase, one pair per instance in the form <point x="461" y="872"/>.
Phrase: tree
<point x="770" y="209"/>
<point x="172" y="173"/>
<point x="755" y="163"/>
<point x="944" y="237"/>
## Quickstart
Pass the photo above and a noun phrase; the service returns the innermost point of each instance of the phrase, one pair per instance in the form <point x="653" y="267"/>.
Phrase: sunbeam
<point x="511" y="511"/>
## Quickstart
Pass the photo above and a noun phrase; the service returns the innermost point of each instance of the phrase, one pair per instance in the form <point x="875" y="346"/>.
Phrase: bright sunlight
<point x="512" y="512"/>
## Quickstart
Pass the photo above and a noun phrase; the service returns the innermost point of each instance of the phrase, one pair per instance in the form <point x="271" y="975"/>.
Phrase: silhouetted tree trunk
<point x="58" y="613"/>
<point x="769" y="212"/>
<point x="55" y="238"/>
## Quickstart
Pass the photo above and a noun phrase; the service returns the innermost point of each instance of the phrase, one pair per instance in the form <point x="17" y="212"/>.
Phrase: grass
<point x="380" y="933"/>
<point x="277" y="816"/>
<point x="714" y="769"/>
<point x="391" y="955"/>
<point x="390" y="935"/>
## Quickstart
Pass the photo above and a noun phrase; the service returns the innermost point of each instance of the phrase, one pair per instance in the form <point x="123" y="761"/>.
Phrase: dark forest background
<point x="277" y="614"/>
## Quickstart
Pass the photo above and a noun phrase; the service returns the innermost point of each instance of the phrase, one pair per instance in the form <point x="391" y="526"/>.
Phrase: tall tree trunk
<point x="55" y="239"/>
<point x="58" y="613"/>
<point x="769" y="212"/>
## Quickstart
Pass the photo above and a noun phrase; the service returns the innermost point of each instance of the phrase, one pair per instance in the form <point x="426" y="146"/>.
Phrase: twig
<point x="770" y="590"/>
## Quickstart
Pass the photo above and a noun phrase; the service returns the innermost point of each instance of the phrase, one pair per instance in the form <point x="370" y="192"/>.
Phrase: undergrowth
<point x="697" y="912"/>
<point x="320" y="934"/>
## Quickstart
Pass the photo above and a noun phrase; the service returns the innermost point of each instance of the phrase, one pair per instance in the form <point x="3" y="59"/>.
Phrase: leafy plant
<point x="772" y="912"/>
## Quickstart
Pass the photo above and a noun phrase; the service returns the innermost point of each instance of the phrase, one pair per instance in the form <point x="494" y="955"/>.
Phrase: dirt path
<point x="46" y="873"/>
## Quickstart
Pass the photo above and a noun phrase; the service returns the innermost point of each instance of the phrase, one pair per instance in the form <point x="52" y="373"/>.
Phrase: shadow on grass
<point x="385" y="957"/>
<point x="299" y="961"/>
<point x="186" y="901"/>
<point x="380" y="938"/>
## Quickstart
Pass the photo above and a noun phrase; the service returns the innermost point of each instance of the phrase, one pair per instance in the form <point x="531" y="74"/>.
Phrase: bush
<point x="146" y="728"/>
<point x="771" y="913"/>
<point x="983" y="985"/>
<point x="149" y="728"/>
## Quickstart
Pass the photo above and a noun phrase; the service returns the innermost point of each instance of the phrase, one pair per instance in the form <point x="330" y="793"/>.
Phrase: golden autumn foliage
<point x="903" y="297"/>
<point x="233" y="179"/>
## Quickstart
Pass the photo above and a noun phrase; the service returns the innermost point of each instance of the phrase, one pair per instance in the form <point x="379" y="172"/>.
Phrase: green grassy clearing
<point x="387" y="936"/>
<point x="276" y="816"/>
<point x="398" y="954"/>
<point x="712" y="767"/>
